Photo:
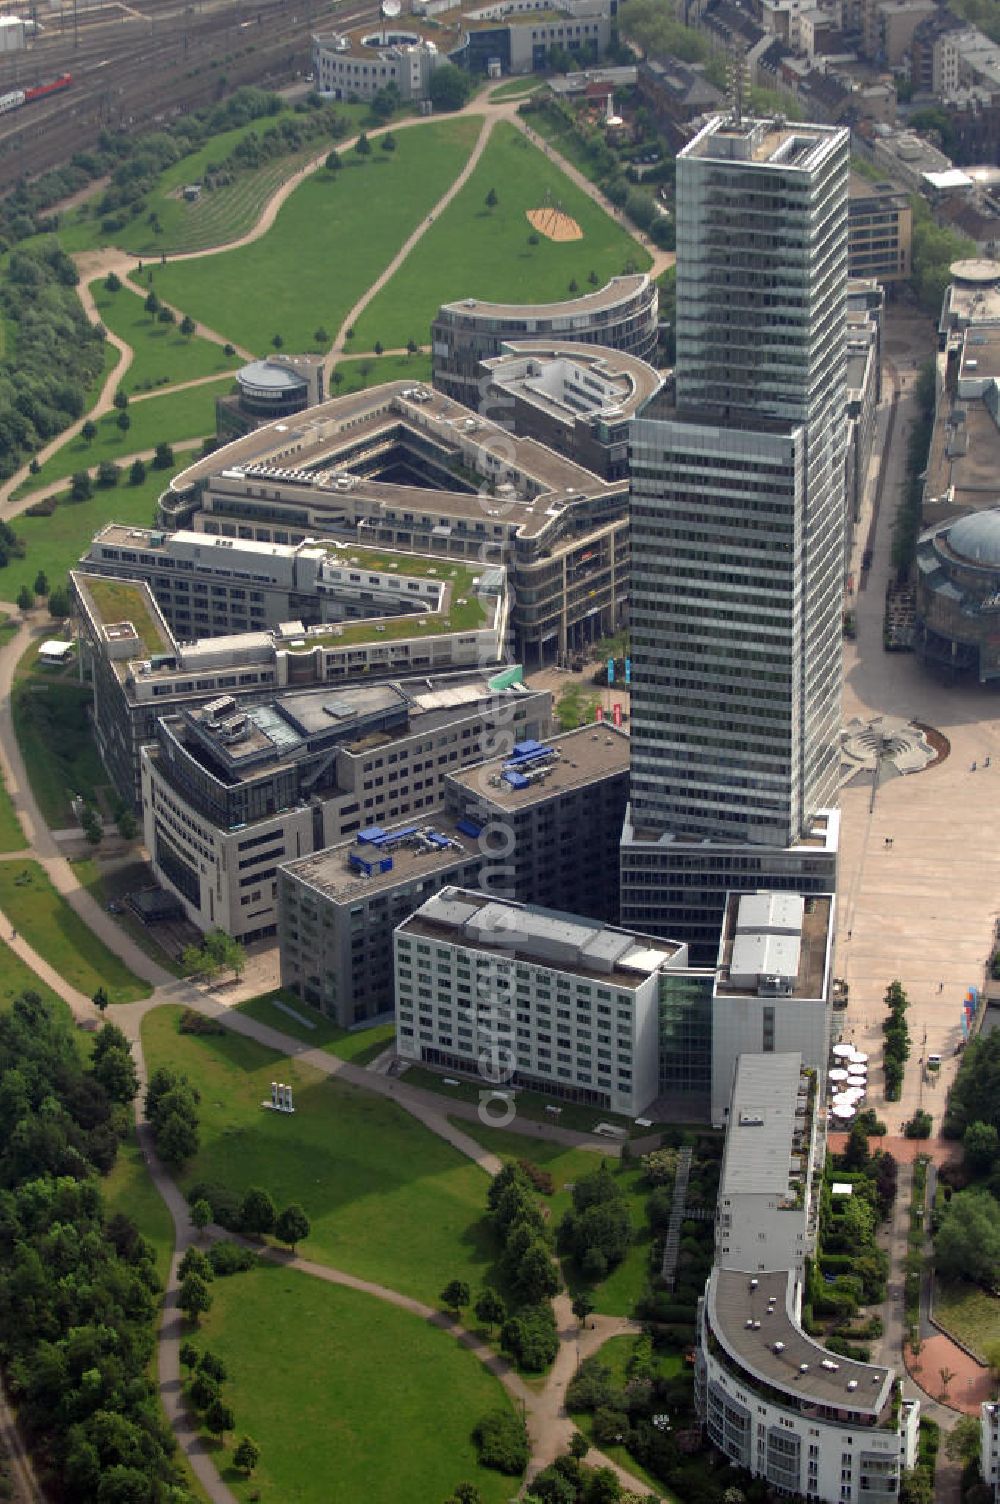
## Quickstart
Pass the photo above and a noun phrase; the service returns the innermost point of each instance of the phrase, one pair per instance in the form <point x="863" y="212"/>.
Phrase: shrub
<point x="227" y="1258"/>
<point x="540" y="1179"/>
<point x="198" y="1023"/>
<point x="501" y="1439"/>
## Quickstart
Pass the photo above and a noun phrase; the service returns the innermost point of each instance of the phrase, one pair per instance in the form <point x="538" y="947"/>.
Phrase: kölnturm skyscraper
<point x="738" y="532"/>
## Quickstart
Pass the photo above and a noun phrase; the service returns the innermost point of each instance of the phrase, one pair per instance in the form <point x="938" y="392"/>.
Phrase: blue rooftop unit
<point x="370" y="836"/>
<point x="469" y="828"/>
<point x="515" y="779"/>
<point x="368" y="866"/>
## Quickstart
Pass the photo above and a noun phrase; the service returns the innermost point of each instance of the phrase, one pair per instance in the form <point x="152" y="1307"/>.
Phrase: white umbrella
<point x="856" y="1094"/>
<point x="858" y="1057"/>
<point x="844" y="1112"/>
<point x="838" y="1074"/>
<point x="861" y="1081"/>
<point x="841" y="1100"/>
<point x="843" y="1050"/>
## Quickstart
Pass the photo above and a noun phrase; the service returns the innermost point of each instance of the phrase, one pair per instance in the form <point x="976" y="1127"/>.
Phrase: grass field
<point x="129" y="1189"/>
<point x="387" y="1199"/>
<point x="356" y="1045"/>
<point x="382" y="1410"/>
<point x="372" y="370"/>
<point x="16" y="977"/>
<point x="475" y="252"/>
<point x="54" y="544"/>
<point x="55" y="931"/>
<point x="516" y="88"/>
<point x="616" y="1295"/>
<point x="969" y="1314"/>
<point x="353" y="221"/>
<point x="49" y="708"/>
<point x="161" y="354"/>
<point x="114" y="882"/>
<point x="165" y="418"/>
<point x="11" y="834"/>
<point x="530" y="1104"/>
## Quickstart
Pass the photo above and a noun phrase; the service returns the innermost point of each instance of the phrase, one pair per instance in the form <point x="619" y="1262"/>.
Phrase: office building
<point x="772" y="985"/>
<point x="400" y="467"/>
<point x="544" y="999"/>
<point x="879" y="231"/>
<point x="622" y="315"/>
<point x="538" y="823"/>
<point x="737" y="505"/>
<point x="989" y="1448"/>
<point x="774" y="1400"/>
<point x="230" y="790"/>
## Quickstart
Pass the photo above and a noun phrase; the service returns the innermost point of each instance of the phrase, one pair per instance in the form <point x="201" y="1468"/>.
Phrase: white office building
<point x="989" y="1449"/>
<point x="772" y="985"/>
<point x="524" y="996"/>
<point x="737" y="499"/>
<point x="773" y="1399"/>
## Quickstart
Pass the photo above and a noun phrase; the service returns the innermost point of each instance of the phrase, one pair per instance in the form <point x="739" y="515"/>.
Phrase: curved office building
<point x="958" y="595"/>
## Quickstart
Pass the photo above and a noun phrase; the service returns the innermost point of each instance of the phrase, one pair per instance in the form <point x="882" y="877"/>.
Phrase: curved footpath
<point x="549" y="1425"/>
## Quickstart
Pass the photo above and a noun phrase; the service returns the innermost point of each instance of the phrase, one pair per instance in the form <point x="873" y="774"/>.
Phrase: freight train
<point x="17" y="97"/>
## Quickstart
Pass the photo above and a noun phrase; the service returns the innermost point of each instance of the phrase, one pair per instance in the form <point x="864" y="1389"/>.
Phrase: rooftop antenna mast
<point x="737" y="83"/>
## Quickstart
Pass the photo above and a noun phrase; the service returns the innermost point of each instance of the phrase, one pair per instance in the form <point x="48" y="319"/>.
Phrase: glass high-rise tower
<point x="738" y="520"/>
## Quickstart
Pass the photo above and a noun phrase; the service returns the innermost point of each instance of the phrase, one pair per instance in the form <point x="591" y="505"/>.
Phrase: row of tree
<point x="79" y="1294"/>
<point x="896" y="1050"/>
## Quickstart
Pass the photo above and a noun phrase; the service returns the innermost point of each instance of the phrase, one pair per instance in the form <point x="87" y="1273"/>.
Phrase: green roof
<point x="123" y="600"/>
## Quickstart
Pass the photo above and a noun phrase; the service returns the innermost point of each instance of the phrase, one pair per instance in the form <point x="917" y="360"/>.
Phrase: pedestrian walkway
<point x="672" y="1242"/>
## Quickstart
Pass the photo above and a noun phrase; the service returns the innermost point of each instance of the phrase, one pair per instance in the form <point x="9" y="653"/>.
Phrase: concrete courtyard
<point x="923" y="908"/>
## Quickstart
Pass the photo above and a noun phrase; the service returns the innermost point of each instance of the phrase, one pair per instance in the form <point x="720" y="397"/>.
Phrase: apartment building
<point x="879" y="231"/>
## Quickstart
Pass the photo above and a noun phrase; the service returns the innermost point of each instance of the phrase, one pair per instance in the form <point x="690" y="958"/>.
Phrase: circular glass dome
<point x="977" y="538"/>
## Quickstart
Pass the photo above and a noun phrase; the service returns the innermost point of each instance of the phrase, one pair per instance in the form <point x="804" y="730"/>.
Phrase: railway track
<point x="171" y="61"/>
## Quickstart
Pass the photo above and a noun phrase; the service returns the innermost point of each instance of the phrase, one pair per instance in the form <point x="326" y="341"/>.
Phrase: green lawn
<point x="372" y="370"/>
<point x="55" y="931"/>
<point x="129" y="1189"/>
<point x="54" y="544"/>
<point x="474" y="252"/>
<point x="617" y="1295"/>
<point x="565" y="140"/>
<point x="516" y="88"/>
<point x="347" y="1397"/>
<point x="162" y="356"/>
<point x="331" y="239"/>
<point x="166" y="418"/>
<point x="969" y="1314"/>
<point x="49" y="708"/>
<point x="387" y="1199"/>
<point x="11" y="834"/>
<point x="530" y="1104"/>
<point x="16" y="977"/>
<point x="116" y="882"/>
<point x="356" y="1045"/>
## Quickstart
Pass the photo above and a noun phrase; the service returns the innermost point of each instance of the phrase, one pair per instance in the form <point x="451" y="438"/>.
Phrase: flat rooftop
<point x="618" y="290"/>
<point x="769" y="1110"/>
<point x="543" y="937"/>
<point x="750" y="1326"/>
<point x="864" y="195"/>
<point x="815" y="939"/>
<point x="606" y="382"/>
<point x="308" y="456"/>
<point x="583" y="756"/>
<point x="980" y="353"/>
<point x="118" y="604"/>
<point x="330" y="873"/>
<point x="764" y="143"/>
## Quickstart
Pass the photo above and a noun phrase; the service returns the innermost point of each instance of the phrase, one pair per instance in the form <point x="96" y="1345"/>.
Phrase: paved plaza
<point x="923" y="907"/>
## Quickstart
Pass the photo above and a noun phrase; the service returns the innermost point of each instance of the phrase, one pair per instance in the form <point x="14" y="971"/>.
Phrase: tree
<point x="194" y="1297"/>
<point x="574" y="286"/>
<point x="108" y="474"/>
<point x="166" y="315"/>
<point x="100" y="999"/>
<point x="128" y="825"/>
<point x="583" y="1304"/>
<point x="189" y="1356"/>
<point x="981" y="1143"/>
<point x="212" y="1365"/>
<point x="137" y="473"/>
<point x="388" y="142"/>
<point x="492" y="199"/>
<point x="112" y="282"/>
<point x="204" y="1391"/>
<point x="963" y="1440"/>
<point x="257" y="1214"/>
<point x="247" y="1455"/>
<point x="195" y="1262"/>
<point x="490" y="1308"/>
<point x="89" y="431"/>
<point x="81" y="486"/>
<point x="277" y="340"/>
<point x="59" y="607"/>
<point x="177" y="1138"/>
<point x="187" y="325"/>
<point x="362" y="145"/>
<point x="449" y="87"/>
<point x="124" y="422"/>
<point x="502" y="1441"/>
<point x="115" y="1071"/>
<point x="967" y="1245"/>
<point x="152" y="303"/>
<point x="378" y="347"/>
<point x="455" y="1295"/>
<point x="333" y="162"/>
<point x="579" y="1446"/>
<point x="537" y="1277"/>
<point x="412" y="347"/>
<point x="292" y="1225"/>
<point x="163" y="457"/>
<point x="321" y="336"/>
<point x="25" y="599"/>
<point x="219" y="1418"/>
<point x="41" y="583"/>
<point x="201" y="1214"/>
